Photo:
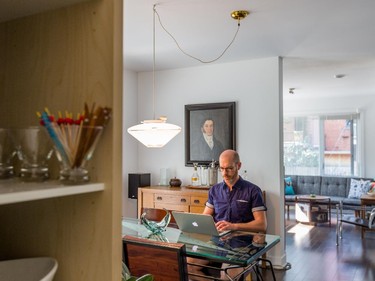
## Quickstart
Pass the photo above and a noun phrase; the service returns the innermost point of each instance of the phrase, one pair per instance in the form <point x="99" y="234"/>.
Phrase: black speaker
<point x="135" y="181"/>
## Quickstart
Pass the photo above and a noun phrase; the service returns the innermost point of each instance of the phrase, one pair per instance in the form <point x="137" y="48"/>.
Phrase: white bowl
<point x="371" y="193"/>
<point x="28" y="269"/>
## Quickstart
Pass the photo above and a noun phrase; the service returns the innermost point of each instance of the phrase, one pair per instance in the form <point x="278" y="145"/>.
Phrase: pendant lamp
<point x="157" y="132"/>
<point x="154" y="133"/>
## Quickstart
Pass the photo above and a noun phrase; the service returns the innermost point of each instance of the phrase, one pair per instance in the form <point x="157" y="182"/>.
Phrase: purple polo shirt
<point x="238" y="205"/>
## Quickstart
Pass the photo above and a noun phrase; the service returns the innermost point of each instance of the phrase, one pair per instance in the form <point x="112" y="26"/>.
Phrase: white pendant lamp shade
<point x="154" y="133"/>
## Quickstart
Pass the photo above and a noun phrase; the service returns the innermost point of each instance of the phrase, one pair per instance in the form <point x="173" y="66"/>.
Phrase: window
<point x="322" y="145"/>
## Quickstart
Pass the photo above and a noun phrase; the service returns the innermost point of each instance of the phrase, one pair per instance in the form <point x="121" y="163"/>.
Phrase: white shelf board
<point x="15" y="191"/>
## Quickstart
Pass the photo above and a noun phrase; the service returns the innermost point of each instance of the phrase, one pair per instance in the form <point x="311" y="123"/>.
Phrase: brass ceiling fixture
<point x="239" y="15"/>
<point x="236" y="15"/>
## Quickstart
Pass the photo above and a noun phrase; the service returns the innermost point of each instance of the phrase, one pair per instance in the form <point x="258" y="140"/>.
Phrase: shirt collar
<point x="238" y="183"/>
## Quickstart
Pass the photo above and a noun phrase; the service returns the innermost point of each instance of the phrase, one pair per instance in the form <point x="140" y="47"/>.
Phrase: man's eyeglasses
<point x="227" y="169"/>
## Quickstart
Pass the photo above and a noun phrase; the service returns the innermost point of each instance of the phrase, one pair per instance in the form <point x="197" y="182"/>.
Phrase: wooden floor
<point x="313" y="254"/>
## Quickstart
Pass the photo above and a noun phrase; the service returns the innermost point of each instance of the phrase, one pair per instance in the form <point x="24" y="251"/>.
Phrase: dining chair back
<point x="165" y="261"/>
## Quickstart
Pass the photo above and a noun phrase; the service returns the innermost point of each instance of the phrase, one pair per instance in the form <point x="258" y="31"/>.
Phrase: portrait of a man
<point x="209" y="131"/>
<point x="206" y="146"/>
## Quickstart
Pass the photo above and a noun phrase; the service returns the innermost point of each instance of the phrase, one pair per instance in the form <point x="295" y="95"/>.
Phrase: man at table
<point x="235" y="204"/>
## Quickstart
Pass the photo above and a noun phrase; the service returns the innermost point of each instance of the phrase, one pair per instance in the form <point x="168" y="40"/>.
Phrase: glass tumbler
<point x="7" y="151"/>
<point x="34" y="149"/>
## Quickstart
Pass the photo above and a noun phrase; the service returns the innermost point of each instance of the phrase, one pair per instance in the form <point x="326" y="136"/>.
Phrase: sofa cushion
<point x="290" y="198"/>
<point x="358" y="188"/>
<point x="337" y="199"/>
<point x="351" y="202"/>
<point x="334" y="186"/>
<point x="308" y="185"/>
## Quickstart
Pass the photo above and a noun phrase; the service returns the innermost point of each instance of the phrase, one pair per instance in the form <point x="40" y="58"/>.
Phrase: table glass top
<point x="238" y="247"/>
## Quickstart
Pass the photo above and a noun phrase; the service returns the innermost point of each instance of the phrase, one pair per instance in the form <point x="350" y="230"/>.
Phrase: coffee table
<point x="313" y="209"/>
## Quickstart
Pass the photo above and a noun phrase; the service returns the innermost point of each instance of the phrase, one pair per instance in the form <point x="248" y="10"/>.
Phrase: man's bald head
<point x="230" y="155"/>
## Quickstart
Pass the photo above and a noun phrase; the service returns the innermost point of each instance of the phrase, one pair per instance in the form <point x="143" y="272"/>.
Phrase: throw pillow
<point x="288" y="186"/>
<point x="358" y="187"/>
<point x="289" y="190"/>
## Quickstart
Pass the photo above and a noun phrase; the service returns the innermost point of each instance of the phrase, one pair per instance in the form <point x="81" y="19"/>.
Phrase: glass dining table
<point x="237" y="249"/>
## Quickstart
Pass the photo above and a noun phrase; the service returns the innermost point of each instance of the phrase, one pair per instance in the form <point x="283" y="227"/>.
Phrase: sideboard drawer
<point x="172" y="207"/>
<point x="196" y="209"/>
<point x="179" y="199"/>
<point x="172" y="199"/>
<point x="198" y="200"/>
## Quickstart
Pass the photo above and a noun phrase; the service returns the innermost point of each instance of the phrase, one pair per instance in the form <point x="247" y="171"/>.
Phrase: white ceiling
<point x="317" y="39"/>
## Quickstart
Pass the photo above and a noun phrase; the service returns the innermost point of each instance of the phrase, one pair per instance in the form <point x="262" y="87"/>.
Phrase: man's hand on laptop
<point x="224" y="225"/>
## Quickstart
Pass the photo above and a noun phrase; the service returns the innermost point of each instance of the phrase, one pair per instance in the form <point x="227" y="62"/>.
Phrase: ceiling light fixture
<point x="154" y="133"/>
<point x="236" y="15"/>
<point x="291" y="91"/>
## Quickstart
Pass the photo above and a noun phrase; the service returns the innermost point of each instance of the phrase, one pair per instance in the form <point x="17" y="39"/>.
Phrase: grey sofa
<point x="337" y="188"/>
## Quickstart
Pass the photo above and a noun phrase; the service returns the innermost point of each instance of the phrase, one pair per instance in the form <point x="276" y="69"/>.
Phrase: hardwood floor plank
<point x="314" y="256"/>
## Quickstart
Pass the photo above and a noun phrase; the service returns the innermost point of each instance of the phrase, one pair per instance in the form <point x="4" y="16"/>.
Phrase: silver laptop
<point x="197" y="223"/>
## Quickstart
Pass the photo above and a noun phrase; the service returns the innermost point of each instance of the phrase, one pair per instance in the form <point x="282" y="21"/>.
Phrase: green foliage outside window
<point x="301" y="155"/>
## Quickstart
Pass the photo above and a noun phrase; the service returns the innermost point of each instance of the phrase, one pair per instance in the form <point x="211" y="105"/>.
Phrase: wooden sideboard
<point x="172" y="198"/>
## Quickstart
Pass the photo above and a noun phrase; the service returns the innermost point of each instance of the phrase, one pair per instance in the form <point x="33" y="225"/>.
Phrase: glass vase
<point x="74" y="146"/>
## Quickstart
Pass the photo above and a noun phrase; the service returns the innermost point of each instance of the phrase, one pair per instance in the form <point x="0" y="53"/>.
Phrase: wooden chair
<point x="165" y="261"/>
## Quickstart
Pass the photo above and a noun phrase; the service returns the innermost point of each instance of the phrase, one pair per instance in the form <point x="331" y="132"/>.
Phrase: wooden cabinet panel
<point x="170" y="198"/>
<point x="198" y="200"/>
<point x="196" y="209"/>
<point x="148" y="200"/>
<point x="172" y="207"/>
<point x="61" y="59"/>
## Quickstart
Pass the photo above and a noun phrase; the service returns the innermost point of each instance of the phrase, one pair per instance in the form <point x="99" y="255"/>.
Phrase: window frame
<point x="356" y="161"/>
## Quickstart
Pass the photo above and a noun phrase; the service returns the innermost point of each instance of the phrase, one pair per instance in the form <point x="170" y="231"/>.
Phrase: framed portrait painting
<point x="209" y="129"/>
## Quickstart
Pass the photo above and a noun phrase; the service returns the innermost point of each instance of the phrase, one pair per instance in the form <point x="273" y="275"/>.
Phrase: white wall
<point x="255" y="86"/>
<point x="294" y="105"/>
<point x="130" y="148"/>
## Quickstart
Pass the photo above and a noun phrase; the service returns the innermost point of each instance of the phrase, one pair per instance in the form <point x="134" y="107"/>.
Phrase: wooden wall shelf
<point x="15" y="191"/>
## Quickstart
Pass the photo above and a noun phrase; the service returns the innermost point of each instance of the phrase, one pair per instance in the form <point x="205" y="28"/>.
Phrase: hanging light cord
<point x="184" y="52"/>
<point x="153" y="63"/>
